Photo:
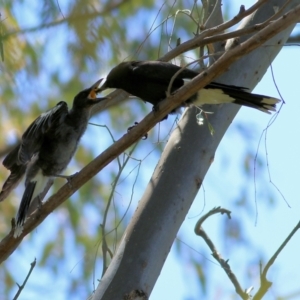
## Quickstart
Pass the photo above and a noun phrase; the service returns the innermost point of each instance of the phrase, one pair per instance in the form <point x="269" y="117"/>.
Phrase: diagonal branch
<point x="208" y="36"/>
<point x="187" y="157"/>
<point x="21" y="287"/>
<point x="9" y="244"/>
<point x="265" y="284"/>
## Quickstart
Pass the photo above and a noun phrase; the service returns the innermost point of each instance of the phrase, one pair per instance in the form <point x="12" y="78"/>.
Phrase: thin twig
<point x="104" y="234"/>
<point x="208" y="36"/>
<point x="217" y="256"/>
<point x="198" y="40"/>
<point x="21" y="287"/>
<point x="9" y="244"/>
<point x="265" y="284"/>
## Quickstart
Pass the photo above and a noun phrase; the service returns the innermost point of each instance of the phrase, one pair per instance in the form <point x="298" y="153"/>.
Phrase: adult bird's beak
<point x="102" y="87"/>
<point x="94" y="90"/>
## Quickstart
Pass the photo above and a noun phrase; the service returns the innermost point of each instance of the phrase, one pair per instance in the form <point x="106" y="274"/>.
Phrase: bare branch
<point x="188" y="154"/>
<point x="206" y="37"/>
<point x="265" y="284"/>
<point x="9" y="244"/>
<point x="224" y="263"/>
<point x="104" y="245"/>
<point x="198" y="40"/>
<point x="216" y="210"/>
<point x="21" y="287"/>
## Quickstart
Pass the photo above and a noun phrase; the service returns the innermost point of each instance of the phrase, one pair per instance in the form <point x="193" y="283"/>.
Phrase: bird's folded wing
<point x="215" y="85"/>
<point x="16" y="175"/>
<point x="11" y="158"/>
<point x="33" y="136"/>
<point x="160" y="71"/>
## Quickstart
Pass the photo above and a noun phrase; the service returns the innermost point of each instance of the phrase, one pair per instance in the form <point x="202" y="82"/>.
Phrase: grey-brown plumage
<point x="17" y="172"/>
<point x="46" y="149"/>
<point x="149" y="80"/>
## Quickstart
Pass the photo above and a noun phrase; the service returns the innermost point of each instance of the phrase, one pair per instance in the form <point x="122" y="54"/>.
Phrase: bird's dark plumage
<point x="149" y="80"/>
<point x="46" y="148"/>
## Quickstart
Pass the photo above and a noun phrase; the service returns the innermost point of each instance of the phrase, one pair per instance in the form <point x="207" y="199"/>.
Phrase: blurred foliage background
<point x="50" y="51"/>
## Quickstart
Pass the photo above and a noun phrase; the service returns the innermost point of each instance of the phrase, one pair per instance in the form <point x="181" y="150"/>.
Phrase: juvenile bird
<point x="46" y="149"/>
<point x="149" y="80"/>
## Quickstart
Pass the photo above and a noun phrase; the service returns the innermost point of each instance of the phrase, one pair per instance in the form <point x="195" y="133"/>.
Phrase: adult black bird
<point x="149" y="80"/>
<point x="46" y="149"/>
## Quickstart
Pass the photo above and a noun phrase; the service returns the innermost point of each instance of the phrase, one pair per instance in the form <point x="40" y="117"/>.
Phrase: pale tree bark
<point x="179" y="174"/>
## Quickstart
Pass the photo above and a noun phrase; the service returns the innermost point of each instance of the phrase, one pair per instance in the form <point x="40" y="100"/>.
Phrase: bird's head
<point x="88" y="97"/>
<point x="116" y="77"/>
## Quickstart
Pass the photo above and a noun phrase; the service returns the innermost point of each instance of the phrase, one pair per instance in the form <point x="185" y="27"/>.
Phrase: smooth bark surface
<point x="178" y="177"/>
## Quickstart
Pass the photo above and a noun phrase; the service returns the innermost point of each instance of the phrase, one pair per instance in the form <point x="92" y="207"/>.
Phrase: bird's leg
<point x="135" y="124"/>
<point x="129" y="128"/>
<point x="68" y="178"/>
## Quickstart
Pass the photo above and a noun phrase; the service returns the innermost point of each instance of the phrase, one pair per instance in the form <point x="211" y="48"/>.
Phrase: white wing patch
<point x="186" y="80"/>
<point x="212" y="96"/>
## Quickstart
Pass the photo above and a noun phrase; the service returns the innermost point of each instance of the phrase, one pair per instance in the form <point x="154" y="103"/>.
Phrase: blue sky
<point x="273" y="224"/>
<point x="271" y="228"/>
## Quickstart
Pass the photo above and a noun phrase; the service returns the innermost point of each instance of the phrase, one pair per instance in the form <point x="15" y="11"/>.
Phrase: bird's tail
<point x="16" y="175"/>
<point x="35" y="191"/>
<point x="24" y="207"/>
<point x="216" y="93"/>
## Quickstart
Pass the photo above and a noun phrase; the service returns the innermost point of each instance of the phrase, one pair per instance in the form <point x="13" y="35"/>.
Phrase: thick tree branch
<point x="208" y="36"/>
<point x="187" y="156"/>
<point x="9" y="244"/>
<point x="198" y="41"/>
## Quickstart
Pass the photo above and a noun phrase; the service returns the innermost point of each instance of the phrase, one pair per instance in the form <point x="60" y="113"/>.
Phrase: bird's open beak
<point x="102" y="87"/>
<point x="94" y="90"/>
